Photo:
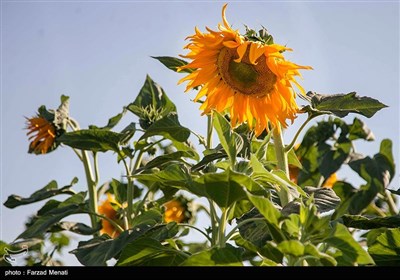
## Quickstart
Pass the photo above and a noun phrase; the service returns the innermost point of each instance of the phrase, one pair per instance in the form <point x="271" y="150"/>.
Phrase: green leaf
<point x="291" y="247"/>
<point x="254" y="231"/>
<point x="230" y="140"/>
<point x="377" y="172"/>
<point x="334" y="158"/>
<point x="150" y="217"/>
<point x="173" y="63"/>
<point x="386" y="249"/>
<point x="73" y="205"/>
<point x="223" y="188"/>
<point x="361" y="222"/>
<point x="343" y="104"/>
<point x="152" y="103"/>
<point x="112" y="122"/>
<point x="96" y="140"/>
<point x="270" y="213"/>
<point x="171" y="158"/>
<point x="150" y="252"/>
<point x="228" y="256"/>
<point x="96" y="251"/>
<point x="168" y="127"/>
<point x="172" y="175"/>
<point x="351" y="252"/>
<point x="50" y="190"/>
<point x="208" y="159"/>
<point x="79" y="228"/>
<point x="359" y="130"/>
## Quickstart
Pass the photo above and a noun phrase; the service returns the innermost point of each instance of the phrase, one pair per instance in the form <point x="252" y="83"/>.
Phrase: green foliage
<point x="165" y="182"/>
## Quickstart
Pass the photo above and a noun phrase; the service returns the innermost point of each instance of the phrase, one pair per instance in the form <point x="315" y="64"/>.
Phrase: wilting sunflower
<point x="108" y="210"/>
<point x="242" y="74"/>
<point x="176" y="210"/>
<point x="43" y="134"/>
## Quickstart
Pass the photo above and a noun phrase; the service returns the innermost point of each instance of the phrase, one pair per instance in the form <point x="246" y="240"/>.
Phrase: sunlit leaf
<point x="150" y="252"/>
<point x="351" y="252"/>
<point x="168" y="127"/>
<point x="173" y="63"/>
<point x="343" y="104"/>
<point x="228" y="256"/>
<point x="386" y="249"/>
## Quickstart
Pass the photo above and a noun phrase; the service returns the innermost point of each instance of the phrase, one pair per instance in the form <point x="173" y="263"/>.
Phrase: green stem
<point x="96" y="168"/>
<point x="91" y="183"/>
<point x="91" y="188"/>
<point x="209" y="131"/>
<point x="113" y="223"/>
<point x="214" y="223"/>
<point x="290" y="146"/>
<point x="281" y="157"/>
<point x="222" y="226"/>
<point x="131" y="187"/>
<point x="199" y="230"/>
<point x="392" y="205"/>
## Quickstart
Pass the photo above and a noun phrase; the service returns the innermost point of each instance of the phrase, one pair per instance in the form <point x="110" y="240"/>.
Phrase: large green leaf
<point x="223" y="188"/>
<point x="173" y="63"/>
<point x="150" y="252"/>
<point x="228" y="256"/>
<point x="96" y="140"/>
<point x="171" y="158"/>
<point x="168" y="127"/>
<point x="386" y="249"/>
<point x="350" y="251"/>
<point x="377" y="172"/>
<point x="50" y="190"/>
<point x="230" y="140"/>
<point x="172" y="175"/>
<point x="270" y="213"/>
<point x="359" y="130"/>
<point x="362" y="222"/>
<point x="51" y="216"/>
<point x="291" y="247"/>
<point x="152" y="103"/>
<point x="75" y="227"/>
<point x="343" y="104"/>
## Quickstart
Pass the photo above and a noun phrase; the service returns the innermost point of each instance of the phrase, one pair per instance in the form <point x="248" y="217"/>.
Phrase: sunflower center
<point x="244" y="77"/>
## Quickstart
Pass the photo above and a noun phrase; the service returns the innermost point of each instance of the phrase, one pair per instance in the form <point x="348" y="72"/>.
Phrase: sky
<point x="99" y="52"/>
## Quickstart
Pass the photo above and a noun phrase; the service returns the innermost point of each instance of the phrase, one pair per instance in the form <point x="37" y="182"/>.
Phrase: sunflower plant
<point x="262" y="200"/>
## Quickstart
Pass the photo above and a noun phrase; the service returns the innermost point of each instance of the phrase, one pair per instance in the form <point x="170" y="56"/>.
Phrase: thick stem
<point x="131" y="188"/>
<point x="214" y="223"/>
<point x="281" y="157"/>
<point x="91" y="189"/>
<point x="222" y="226"/>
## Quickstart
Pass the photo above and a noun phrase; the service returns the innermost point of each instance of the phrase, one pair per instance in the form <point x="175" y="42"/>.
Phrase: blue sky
<point x="98" y="53"/>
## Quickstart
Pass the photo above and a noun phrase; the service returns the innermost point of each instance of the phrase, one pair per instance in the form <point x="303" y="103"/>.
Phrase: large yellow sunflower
<point x="44" y="134"/>
<point x="250" y="78"/>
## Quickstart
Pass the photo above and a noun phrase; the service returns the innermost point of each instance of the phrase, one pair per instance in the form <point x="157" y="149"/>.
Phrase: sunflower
<point x="248" y="77"/>
<point x="108" y="210"/>
<point x="43" y="134"/>
<point x="176" y="210"/>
